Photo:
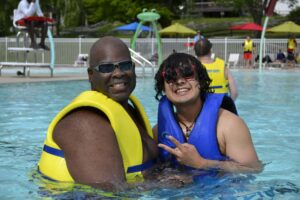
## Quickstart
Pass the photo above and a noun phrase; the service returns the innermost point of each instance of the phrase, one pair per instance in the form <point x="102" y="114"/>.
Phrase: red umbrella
<point x="247" y="27"/>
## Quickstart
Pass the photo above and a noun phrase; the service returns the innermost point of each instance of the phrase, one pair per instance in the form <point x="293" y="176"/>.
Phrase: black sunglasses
<point x="110" y="67"/>
<point x="170" y="76"/>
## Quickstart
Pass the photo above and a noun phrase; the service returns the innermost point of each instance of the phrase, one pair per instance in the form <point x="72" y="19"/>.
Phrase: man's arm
<point x="38" y="9"/>
<point x="155" y="133"/>
<point x="233" y="90"/>
<point x="91" y="149"/>
<point x="27" y="11"/>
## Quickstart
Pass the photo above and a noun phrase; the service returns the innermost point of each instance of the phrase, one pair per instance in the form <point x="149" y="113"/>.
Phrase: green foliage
<point x="72" y="13"/>
<point x="294" y="15"/>
<point x="104" y="13"/>
<point x="123" y="10"/>
<point x="6" y="12"/>
<point x="111" y="10"/>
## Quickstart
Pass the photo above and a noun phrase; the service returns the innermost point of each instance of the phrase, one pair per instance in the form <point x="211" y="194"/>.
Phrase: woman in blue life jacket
<point x="193" y="130"/>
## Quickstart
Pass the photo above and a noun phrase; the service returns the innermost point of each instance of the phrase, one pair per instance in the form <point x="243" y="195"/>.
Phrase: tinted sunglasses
<point x="171" y="76"/>
<point x="110" y="67"/>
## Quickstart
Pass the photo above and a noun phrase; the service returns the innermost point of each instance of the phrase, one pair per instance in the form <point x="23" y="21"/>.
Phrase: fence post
<point x="264" y="54"/>
<point x="261" y="42"/>
<point x="79" y="45"/>
<point x="225" y="44"/>
<point x="6" y="46"/>
<point x="188" y="44"/>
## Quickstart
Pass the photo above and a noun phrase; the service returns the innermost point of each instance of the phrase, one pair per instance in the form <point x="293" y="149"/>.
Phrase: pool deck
<point x="16" y="79"/>
<point x="43" y="75"/>
<point x="76" y="73"/>
<point x="61" y="73"/>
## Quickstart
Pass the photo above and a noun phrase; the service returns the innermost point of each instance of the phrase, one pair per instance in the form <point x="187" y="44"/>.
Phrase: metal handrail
<point x="136" y="57"/>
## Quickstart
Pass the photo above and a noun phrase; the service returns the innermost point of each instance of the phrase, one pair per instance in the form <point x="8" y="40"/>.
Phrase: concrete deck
<point x="16" y="79"/>
<point x="9" y="75"/>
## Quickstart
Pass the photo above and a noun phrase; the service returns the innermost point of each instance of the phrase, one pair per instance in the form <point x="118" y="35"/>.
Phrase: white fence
<point x="68" y="49"/>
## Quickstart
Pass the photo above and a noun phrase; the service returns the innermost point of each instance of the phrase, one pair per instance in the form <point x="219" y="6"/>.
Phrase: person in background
<point x="192" y="129"/>
<point x="103" y="138"/>
<point x="198" y="36"/>
<point x="280" y="57"/>
<point x="297" y="58"/>
<point x="222" y="79"/>
<point x="27" y="9"/>
<point x="291" y="49"/>
<point x="248" y="50"/>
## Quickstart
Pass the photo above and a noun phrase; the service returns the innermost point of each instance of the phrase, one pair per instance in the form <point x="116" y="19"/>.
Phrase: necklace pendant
<point x="188" y="132"/>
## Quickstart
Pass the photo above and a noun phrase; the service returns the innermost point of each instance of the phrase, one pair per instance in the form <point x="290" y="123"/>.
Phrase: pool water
<point x="268" y="102"/>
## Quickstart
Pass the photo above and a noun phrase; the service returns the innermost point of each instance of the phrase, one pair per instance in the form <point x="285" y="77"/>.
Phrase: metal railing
<point x="143" y="62"/>
<point x="68" y="49"/>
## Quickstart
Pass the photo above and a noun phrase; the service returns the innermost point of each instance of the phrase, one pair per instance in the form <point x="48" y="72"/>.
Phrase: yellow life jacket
<point x="52" y="163"/>
<point x="291" y="43"/>
<point x="216" y="72"/>
<point x="248" y="45"/>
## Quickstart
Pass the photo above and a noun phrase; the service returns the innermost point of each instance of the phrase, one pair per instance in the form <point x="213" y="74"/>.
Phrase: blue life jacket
<point x="203" y="135"/>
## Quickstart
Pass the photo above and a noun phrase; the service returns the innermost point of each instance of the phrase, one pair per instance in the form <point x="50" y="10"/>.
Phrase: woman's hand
<point x="185" y="154"/>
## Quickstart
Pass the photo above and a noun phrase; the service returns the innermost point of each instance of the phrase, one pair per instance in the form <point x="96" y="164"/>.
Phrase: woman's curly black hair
<point x="173" y="62"/>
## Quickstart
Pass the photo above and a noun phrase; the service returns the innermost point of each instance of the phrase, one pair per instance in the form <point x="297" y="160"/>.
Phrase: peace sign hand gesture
<point x="185" y="154"/>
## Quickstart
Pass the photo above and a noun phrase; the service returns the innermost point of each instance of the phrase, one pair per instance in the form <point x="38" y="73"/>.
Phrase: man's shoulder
<point x="84" y="116"/>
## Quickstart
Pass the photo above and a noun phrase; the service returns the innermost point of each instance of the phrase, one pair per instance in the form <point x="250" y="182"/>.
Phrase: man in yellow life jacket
<point x="103" y="137"/>
<point x="222" y="79"/>
<point x="291" y="48"/>
<point x="248" y="50"/>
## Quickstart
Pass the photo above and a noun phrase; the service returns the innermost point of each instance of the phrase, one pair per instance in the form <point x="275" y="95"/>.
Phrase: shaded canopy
<point x="247" y="27"/>
<point x="132" y="27"/>
<point x="286" y="27"/>
<point x="177" y="29"/>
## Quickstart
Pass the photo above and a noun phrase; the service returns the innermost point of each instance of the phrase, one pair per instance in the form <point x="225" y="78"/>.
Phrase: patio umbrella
<point x="132" y="27"/>
<point x="177" y="29"/>
<point x="286" y="27"/>
<point x="247" y="27"/>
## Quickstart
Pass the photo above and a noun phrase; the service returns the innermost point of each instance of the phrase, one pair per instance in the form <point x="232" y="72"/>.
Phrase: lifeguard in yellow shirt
<point x="248" y="50"/>
<point x="291" y="48"/>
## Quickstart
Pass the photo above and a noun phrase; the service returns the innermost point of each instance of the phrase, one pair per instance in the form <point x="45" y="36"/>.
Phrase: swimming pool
<point x="268" y="102"/>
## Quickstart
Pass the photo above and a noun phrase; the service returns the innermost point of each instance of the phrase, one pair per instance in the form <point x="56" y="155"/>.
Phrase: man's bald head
<point x="118" y="83"/>
<point x="107" y="47"/>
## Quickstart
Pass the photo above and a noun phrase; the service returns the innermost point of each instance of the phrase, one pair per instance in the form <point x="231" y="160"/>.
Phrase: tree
<point x="294" y="15"/>
<point x="126" y="10"/>
<point x="67" y="13"/>
<point x="72" y="13"/>
<point x="6" y="12"/>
